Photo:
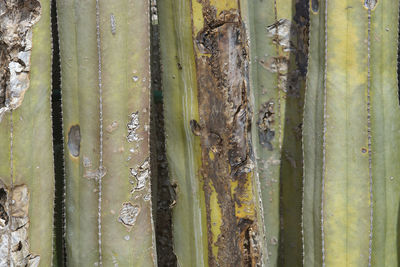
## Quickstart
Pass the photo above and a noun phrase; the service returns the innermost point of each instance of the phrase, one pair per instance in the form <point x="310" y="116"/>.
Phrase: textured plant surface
<point x="279" y="55"/>
<point x="351" y="136"/>
<point x="183" y="148"/>
<point x="105" y="84"/>
<point x="207" y="96"/>
<point x="26" y="155"/>
<point x="199" y="133"/>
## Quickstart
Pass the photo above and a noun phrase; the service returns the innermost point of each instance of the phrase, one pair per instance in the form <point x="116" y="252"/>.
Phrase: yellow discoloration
<point x="211" y="155"/>
<point x="222" y="5"/>
<point x="220" y="42"/>
<point x="347" y="195"/>
<point x="197" y="16"/>
<point x="216" y="219"/>
<point x="246" y="209"/>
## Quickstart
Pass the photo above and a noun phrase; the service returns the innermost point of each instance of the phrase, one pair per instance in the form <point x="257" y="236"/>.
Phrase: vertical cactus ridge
<point x="79" y="108"/>
<point x="125" y="39"/>
<point x="279" y="39"/>
<point x="106" y="123"/>
<point x="266" y="135"/>
<point x="26" y="153"/>
<point x="313" y="128"/>
<point x="351" y="136"/>
<point x="385" y="133"/>
<point x="182" y="147"/>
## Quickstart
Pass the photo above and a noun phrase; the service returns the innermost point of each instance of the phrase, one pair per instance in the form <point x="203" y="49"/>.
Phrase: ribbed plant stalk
<point x="279" y="38"/>
<point x="26" y="152"/>
<point x="105" y="51"/>
<point x="352" y="135"/>
<point x="204" y="52"/>
<point x="183" y="150"/>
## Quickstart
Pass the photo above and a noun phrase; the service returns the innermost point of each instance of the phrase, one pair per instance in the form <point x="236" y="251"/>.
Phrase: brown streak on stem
<point x="224" y="129"/>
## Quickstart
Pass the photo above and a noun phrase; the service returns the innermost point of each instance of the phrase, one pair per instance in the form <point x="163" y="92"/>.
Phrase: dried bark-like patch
<point x="224" y="129"/>
<point x="16" y="20"/>
<point x="14" y="227"/>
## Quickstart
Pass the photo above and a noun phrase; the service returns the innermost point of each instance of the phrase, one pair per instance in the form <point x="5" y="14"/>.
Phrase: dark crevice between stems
<point x="59" y="258"/>
<point x="163" y="193"/>
<point x="291" y="171"/>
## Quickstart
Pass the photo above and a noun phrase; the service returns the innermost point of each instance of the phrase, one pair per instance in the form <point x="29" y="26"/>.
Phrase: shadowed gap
<point x="59" y="258"/>
<point x="162" y="191"/>
<point x="291" y="171"/>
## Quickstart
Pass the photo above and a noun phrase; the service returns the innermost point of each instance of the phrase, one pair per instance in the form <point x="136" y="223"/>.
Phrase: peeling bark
<point x="224" y="129"/>
<point x="16" y="20"/>
<point x="266" y="124"/>
<point x="14" y="227"/>
<point x="128" y="214"/>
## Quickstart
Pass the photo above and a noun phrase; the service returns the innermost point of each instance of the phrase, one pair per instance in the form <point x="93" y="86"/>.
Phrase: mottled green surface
<point x="124" y="51"/>
<point x="32" y="149"/>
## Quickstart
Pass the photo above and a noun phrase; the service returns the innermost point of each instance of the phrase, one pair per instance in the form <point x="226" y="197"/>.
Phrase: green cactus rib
<point x="352" y="136"/>
<point x="279" y="48"/>
<point x="183" y="148"/>
<point x="26" y="153"/>
<point x="266" y="92"/>
<point x="385" y="132"/>
<point x="105" y="55"/>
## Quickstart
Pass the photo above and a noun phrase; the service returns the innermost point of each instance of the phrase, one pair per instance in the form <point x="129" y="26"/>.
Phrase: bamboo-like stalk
<point x="351" y="136"/>
<point x="26" y="152"/>
<point x="105" y="51"/>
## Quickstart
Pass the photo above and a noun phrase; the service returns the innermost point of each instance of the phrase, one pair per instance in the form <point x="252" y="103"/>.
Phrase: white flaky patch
<point x="14" y="227"/>
<point x="128" y="214"/>
<point x="141" y="174"/>
<point x="280" y="32"/>
<point x="132" y="127"/>
<point x="16" y="21"/>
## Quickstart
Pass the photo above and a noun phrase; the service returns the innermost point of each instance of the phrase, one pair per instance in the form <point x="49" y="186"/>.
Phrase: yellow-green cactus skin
<point x="26" y="151"/>
<point x="352" y="135"/>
